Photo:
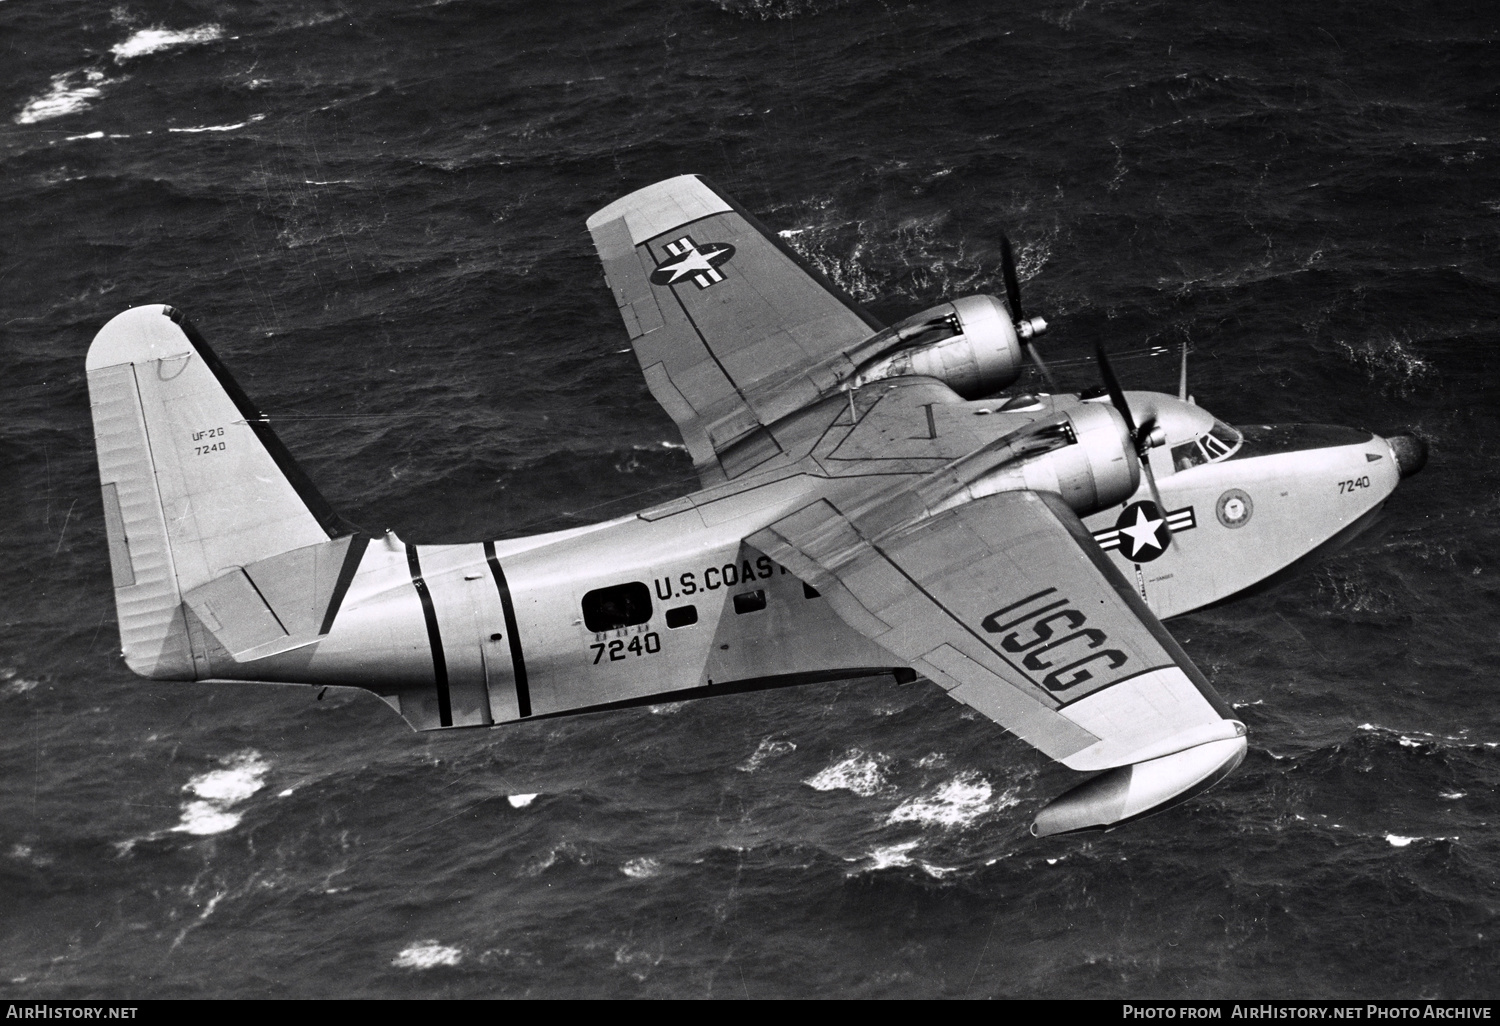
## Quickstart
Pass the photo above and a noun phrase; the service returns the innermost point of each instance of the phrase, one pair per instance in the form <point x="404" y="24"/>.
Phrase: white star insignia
<point x="693" y="262"/>
<point x="1142" y="532"/>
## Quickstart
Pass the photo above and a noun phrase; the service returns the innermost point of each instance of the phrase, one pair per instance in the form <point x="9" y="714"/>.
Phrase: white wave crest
<point x="639" y="869"/>
<point x="769" y="748"/>
<point x="957" y="803"/>
<point x="427" y="954"/>
<point x="567" y="851"/>
<point x="892" y="855"/>
<point x="897" y="856"/>
<point x="1398" y="841"/>
<point x="863" y="774"/>
<point x="243" y="774"/>
<point x="1418" y="738"/>
<point x="219" y="790"/>
<point x="70" y="93"/>
<point x="520" y="801"/>
<point x="151" y="40"/>
<point x="220" y="128"/>
<point x="203" y="818"/>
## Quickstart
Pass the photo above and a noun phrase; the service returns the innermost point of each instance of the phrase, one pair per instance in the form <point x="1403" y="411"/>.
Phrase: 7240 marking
<point x="1345" y="487"/>
<point x="641" y="644"/>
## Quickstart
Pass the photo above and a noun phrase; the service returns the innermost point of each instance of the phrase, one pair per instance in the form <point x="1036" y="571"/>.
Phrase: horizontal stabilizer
<point x="281" y="603"/>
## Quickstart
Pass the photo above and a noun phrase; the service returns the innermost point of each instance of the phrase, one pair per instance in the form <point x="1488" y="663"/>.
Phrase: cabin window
<point x="682" y="616"/>
<point x="1187" y="455"/>
<point x="624" y="605"/>
<point x="750" y="601"/>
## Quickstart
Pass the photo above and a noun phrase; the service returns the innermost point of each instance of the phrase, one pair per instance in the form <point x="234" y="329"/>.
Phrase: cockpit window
<point x="1219" y="444"/>
<point x="1187" y="455"/>
<point x="1221" y="440"/>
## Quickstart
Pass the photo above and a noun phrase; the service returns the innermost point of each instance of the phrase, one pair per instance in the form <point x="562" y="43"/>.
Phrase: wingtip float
<point x="869" y="504"/>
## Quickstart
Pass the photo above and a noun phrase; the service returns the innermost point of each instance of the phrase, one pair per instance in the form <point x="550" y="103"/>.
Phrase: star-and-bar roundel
<point x="1139" y="533"/>
<point x="686" y="260"/>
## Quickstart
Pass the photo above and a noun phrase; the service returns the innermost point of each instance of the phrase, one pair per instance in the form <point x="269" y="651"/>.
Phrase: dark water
<point x="375" y="213"/>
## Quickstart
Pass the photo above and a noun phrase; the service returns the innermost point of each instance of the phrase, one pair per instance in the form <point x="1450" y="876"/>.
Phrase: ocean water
<point x="375" y="213"/>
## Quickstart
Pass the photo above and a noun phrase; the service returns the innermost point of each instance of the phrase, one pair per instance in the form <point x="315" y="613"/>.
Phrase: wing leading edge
<point x="1008" y="604"/>
<point x="732" y="329"/>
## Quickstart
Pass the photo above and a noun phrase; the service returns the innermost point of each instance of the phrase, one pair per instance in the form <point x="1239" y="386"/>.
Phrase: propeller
<point x="1143" y="437"/>
<point x="1026" y="330"/>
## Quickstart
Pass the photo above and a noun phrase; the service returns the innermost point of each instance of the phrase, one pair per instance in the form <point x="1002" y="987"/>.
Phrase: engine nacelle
<point x="970" y="344"/>
<point x="1094" y="470"/>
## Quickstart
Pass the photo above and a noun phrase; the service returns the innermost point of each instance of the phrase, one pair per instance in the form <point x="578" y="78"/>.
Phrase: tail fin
<point x="197" y="489"/>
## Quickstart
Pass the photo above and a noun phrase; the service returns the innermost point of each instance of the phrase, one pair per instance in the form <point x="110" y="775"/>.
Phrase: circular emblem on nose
<point x="1234" y="508"/>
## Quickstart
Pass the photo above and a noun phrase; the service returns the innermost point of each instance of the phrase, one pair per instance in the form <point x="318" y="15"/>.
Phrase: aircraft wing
<point x="732" y="329"/>
<point x="1010" y="606"/>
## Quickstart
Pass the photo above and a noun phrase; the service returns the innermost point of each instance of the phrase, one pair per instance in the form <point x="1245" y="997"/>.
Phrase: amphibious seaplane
<point x="870" y="503"/>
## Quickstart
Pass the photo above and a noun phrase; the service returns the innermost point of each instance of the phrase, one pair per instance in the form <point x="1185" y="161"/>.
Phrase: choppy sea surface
<point x="375" y="213"/>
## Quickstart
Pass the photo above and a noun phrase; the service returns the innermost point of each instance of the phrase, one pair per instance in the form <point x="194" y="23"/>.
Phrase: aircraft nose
<point x="1410" y="452"/>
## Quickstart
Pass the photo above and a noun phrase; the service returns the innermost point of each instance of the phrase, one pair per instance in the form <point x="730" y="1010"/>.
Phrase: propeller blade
<point x="1156" y="498"/>
<point x="1116" y="394"/>
<point x="1012" y="284"/>
<point x="1182" y="380"/>
<point x="1036" y="358"/>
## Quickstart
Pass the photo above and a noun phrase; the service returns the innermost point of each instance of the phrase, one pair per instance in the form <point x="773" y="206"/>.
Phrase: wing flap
<point x="1031" y="721"/>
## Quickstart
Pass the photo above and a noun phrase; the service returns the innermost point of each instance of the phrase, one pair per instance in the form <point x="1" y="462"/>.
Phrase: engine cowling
<point x="1097" y="469"/>
<point x="969" y="344"/>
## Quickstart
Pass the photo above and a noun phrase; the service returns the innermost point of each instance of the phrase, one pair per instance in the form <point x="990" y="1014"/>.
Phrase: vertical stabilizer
<point x="195" y="484"/>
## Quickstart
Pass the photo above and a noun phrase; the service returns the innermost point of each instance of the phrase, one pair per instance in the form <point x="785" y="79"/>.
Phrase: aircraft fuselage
<point x="672" y="603"/>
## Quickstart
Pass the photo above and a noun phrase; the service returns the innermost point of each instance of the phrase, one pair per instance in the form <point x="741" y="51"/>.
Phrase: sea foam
<point x="219" y="128"/>
<point x="769" y="748"/>
<point x="427" y="954"/>
<point x="152" y="40"/>
<point x="863" y="774"/>
<point x="70" y="93"/>
<point x="641" y="868"/>
<point x="955" y="804"/>
<point x="218" y="791"/>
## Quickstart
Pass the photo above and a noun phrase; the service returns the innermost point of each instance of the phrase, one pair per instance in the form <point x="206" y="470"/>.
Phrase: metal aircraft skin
<point x="867" y="505"/>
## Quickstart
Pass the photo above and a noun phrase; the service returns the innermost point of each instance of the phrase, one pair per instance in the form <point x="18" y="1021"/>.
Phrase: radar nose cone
<point x="1410" y="452"/>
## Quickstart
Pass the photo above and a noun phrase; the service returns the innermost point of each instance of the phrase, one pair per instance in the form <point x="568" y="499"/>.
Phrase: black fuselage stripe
<point x="434" y="638"/>
<point x="517" y="660"/>
<point x="353" y="556"/>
